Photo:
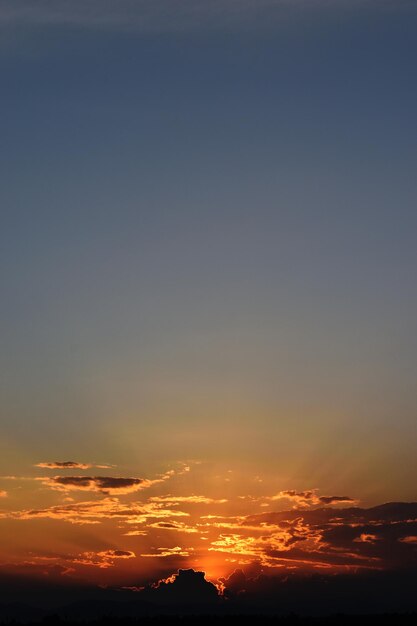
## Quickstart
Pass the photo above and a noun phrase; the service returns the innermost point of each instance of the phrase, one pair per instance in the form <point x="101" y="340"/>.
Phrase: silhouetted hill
<point x="394" y="619"/>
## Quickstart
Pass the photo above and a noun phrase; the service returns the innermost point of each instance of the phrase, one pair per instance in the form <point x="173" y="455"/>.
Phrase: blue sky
<point x="209" y="226"/>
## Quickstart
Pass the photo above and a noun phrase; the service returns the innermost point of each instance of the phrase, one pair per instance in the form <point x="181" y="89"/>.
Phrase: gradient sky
<point x="208" y="261"/>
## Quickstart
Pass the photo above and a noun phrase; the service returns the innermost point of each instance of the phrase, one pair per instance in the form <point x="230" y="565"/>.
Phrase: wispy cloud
<point x="187" y="499"/>
<point x="311" y="498"/>
<point x="162" y="553"/>
<point x="54" y="465"/>
<point x="103" y="559"/>
<point x="95" y="512"/>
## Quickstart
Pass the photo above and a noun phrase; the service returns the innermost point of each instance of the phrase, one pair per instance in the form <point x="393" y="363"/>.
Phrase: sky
<point x="208" y="278"/>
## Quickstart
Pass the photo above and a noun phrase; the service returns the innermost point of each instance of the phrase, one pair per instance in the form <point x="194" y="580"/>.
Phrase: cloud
<point x="95" y="512"/>
<point x="376" y="538"/>
<point x="70" y="465"/>
<point x="174" y="525"/>
<point x="186" y="587"/>
<point x="412" y="539"/>
<point x="117" y="554"/>
<point x="168" y="552"/>
<point x="103" y="484"/>
<point x="336" y="499"/>
<point x="103" y="559"/>
<point x="108" y="485"/>
<point x="310" y="498"/>
<point x="3" y="494"/>
<point x="186" y="499"/>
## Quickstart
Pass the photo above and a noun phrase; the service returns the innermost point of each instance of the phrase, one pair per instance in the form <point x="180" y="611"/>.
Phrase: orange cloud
<point x="186" y="499"/>
<point x="94" y="512"/>
<point x="412" y="539"/>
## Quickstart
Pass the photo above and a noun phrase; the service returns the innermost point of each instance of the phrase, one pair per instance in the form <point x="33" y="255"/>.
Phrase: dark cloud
<point x="103" y="484"/>
<point x="310" y="498"/>
<point x="391" y="511"/>
<point x="378" y="538"/>
<point x="187" y="587"/>
<point x="335" y="499"/>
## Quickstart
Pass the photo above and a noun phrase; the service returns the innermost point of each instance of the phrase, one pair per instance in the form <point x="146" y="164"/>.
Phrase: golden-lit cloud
<point x="95" y="512"/>
<point x="168" y="552"/>
<point x="215" y="528"/>
<point x="187" y="499"/>
<point x="3" y="494"/>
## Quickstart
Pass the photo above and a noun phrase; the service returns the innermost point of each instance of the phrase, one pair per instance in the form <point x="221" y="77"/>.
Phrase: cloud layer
<point x="165" y="15"/>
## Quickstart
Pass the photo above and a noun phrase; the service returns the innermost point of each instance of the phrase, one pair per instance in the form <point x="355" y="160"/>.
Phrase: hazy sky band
<point x="183" y="15"/>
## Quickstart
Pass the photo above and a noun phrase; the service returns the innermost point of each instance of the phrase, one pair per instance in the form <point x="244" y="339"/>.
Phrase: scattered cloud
<point x="381" y="537"/>
<point x="96" y="512"/>
<point x="317" y="533"/>
<point x="103" y="559"/>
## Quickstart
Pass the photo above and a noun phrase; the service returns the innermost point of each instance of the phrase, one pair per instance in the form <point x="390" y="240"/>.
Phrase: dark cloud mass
<point x="351" y="539"/>
<point x="103" y="484"/>
<point x="335" y="499"/>
<point x="187" y="587"/>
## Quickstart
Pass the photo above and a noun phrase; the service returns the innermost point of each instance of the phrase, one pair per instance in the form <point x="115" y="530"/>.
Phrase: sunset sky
<point x="208" y="270"/>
